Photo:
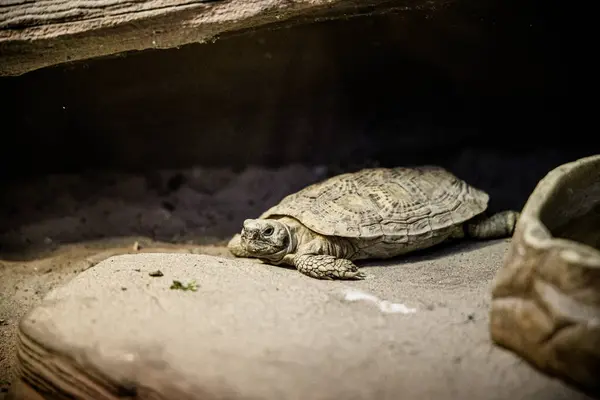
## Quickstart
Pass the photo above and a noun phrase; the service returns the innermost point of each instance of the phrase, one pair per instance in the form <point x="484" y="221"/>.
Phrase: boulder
<point x="39" y="33"/>
<point x="546" y="297"/>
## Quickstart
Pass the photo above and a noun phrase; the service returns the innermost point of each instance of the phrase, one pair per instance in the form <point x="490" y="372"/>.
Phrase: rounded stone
<point x="552" y="270"/>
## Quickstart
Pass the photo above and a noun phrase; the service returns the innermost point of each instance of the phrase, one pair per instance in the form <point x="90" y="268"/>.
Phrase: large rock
<point x="412" y="330"/>
<point x="546" y="297"/>
<point x="35" y="34"/>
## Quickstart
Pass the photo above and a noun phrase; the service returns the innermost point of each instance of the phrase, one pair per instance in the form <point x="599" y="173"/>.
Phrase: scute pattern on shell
<point x="384" y="202"/>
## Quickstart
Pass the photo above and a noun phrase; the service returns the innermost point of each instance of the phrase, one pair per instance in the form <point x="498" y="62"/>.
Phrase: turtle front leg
<point x="235" y="247"/>
<point x="498" y="225"/>
<point x="328" y="267"/>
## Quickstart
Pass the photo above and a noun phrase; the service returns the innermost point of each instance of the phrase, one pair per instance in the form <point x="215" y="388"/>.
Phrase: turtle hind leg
<point x="321" y="266"/>
<point x="498" y="225"/>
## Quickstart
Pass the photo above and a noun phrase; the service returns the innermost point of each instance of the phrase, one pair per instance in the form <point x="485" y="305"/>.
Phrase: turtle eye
<point x="268" y="231"/>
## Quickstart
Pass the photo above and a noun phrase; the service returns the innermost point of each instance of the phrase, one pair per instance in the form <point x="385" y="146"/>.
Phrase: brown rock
<point x="546" y="297"/>
<point x="35" y="34"/>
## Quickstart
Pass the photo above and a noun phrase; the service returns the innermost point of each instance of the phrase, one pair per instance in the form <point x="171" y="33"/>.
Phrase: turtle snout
<point x="249" y="235"/>
<point x="251" y="229"/>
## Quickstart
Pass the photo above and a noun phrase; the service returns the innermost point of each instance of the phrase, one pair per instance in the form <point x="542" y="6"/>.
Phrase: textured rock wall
<point x="35" y="34"/>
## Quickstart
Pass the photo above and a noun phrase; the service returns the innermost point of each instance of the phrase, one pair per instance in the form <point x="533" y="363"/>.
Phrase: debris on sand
<point x="177" y="285"/>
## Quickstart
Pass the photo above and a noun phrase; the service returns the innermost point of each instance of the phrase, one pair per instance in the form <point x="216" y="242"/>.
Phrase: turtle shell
<point x="384" y="202"/>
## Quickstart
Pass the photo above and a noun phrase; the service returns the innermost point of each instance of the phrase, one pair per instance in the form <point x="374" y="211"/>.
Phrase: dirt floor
<point x="53" y="227"/>
<point x="416" y="328"/>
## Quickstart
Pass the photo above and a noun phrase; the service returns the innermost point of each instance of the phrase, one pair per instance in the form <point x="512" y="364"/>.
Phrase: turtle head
<point x="266" y="239"/>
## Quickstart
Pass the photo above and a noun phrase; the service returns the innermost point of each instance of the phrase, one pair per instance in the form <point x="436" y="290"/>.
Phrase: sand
<point x="57" y="227"/>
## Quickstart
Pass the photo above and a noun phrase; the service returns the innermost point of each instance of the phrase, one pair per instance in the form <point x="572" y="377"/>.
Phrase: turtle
<point x="374" y="213"/>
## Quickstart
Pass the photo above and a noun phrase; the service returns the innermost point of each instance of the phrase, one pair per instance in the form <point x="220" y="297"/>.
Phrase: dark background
<point x="486" y="89"/>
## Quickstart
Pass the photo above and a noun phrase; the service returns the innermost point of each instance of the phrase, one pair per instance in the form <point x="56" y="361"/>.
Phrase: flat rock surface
<point x="416" y="328"/>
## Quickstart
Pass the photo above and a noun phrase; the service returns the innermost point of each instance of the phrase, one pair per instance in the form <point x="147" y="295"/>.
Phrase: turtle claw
<point x="360" y="276"/>
<point x="327" y="267"/>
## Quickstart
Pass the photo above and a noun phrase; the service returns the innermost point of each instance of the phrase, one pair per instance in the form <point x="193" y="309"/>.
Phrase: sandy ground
<point x="24" y="284"/>
<point x="415" y="328"/>
<point x="54" y="227"/>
